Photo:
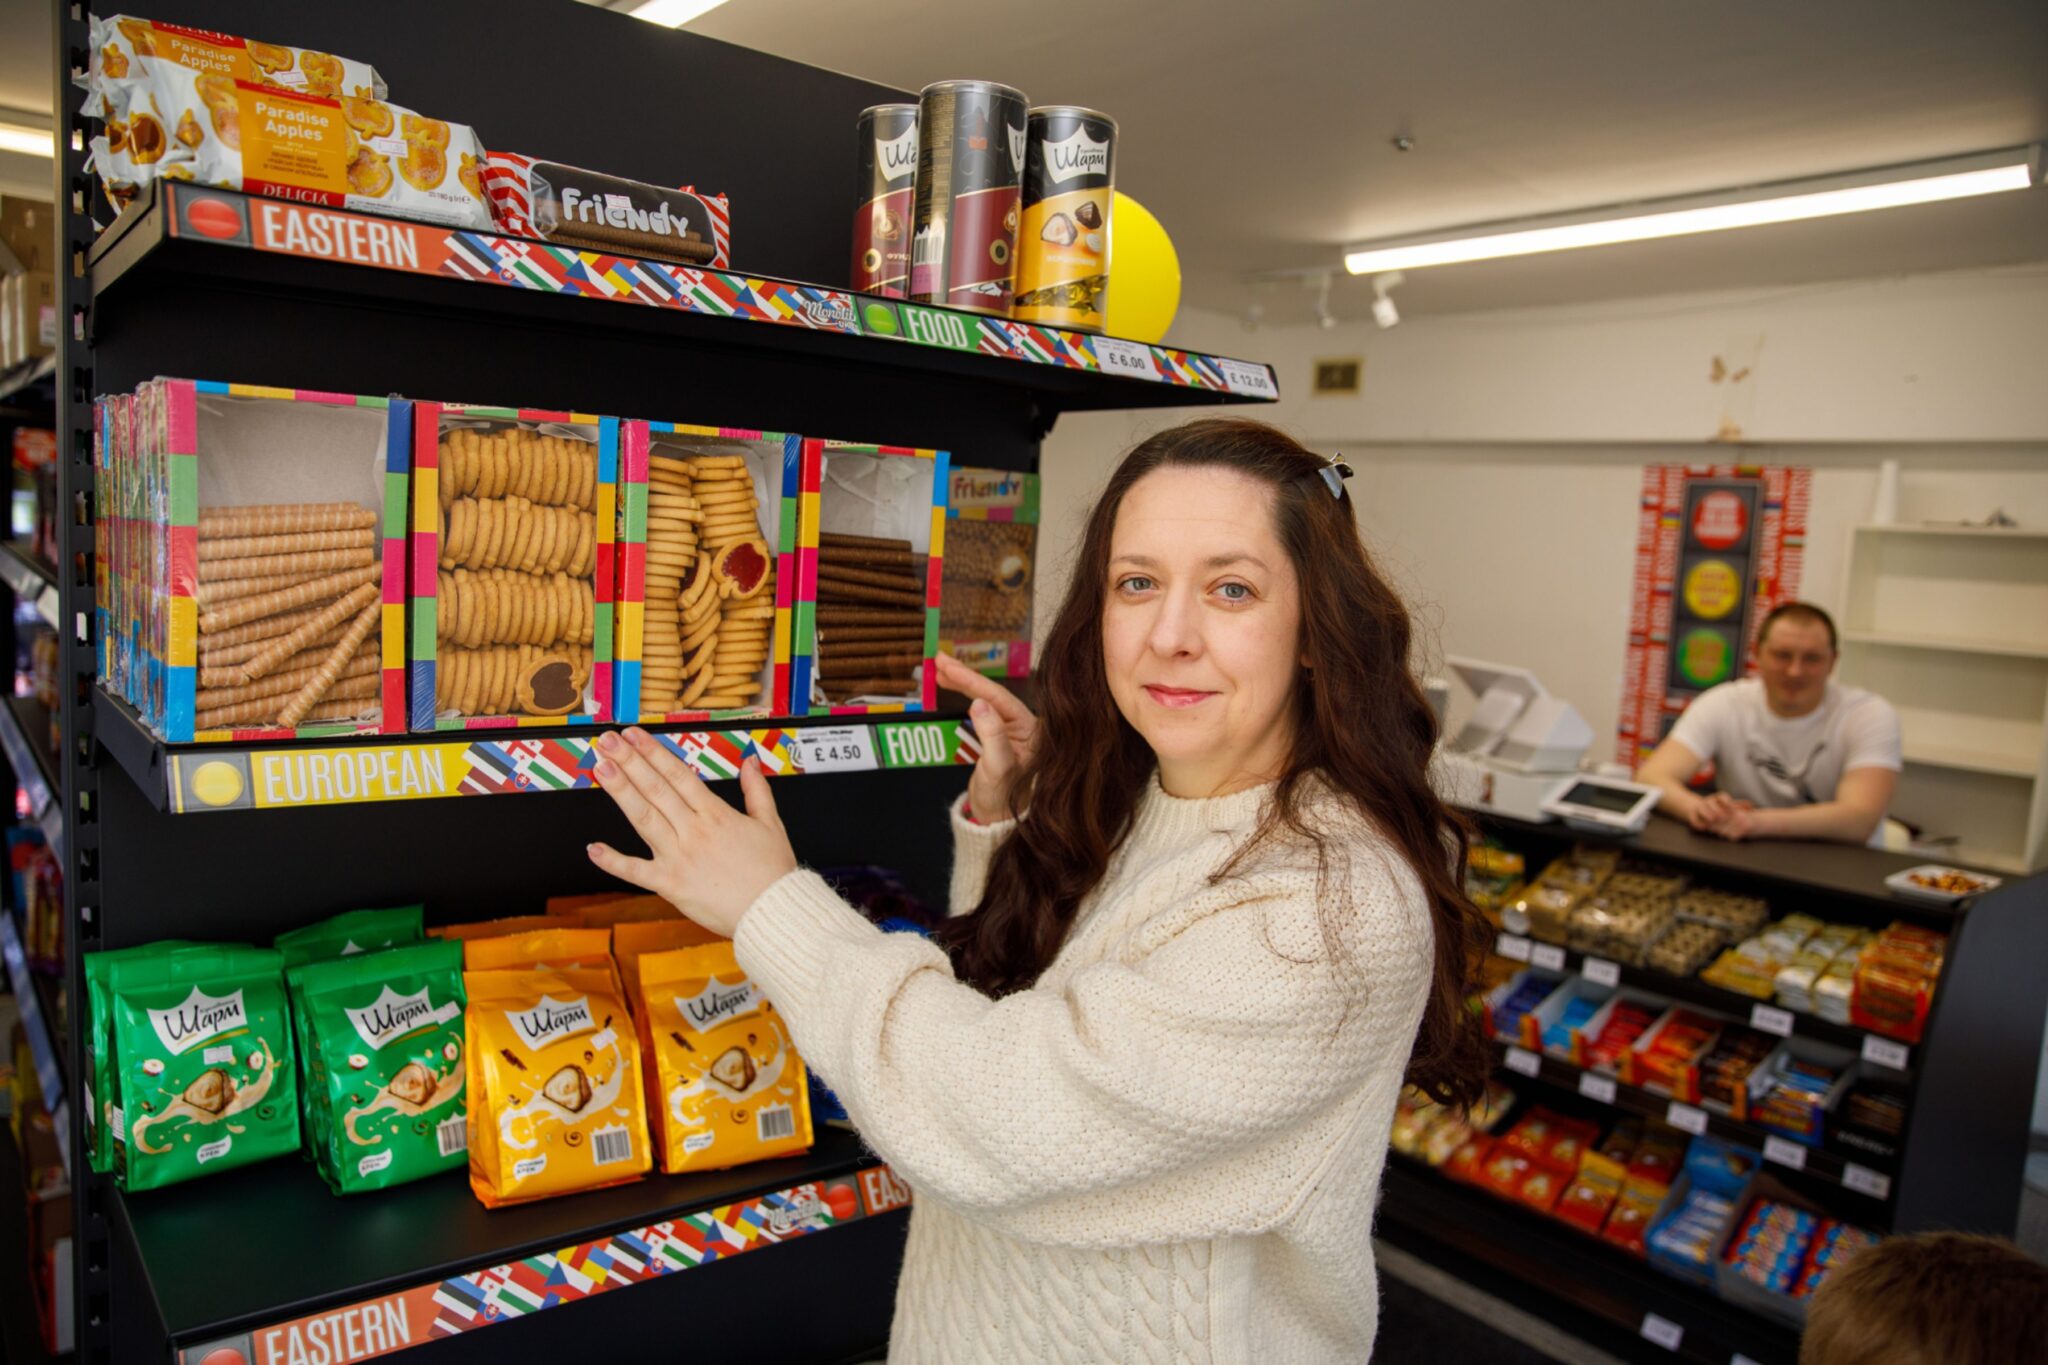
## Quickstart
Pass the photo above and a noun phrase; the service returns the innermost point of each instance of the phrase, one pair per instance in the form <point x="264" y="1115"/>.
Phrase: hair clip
<point x="1334" y="473"/>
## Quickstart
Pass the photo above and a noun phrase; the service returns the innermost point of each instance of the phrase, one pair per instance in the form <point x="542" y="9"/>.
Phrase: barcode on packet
<point x="453" y="1135"/>
<point x="775" y="1123"/>
<point x="610" y="1145"/>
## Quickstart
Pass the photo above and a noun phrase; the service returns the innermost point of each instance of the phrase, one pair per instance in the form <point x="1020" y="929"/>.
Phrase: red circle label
<point x="1720" y="520"/>
<point x="840" y="1200"/>
<point x="224" y="1355"/>
<point x="213" y="218"/>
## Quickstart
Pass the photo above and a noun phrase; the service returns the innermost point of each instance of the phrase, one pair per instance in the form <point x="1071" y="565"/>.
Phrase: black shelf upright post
<point x="76" y="667"/>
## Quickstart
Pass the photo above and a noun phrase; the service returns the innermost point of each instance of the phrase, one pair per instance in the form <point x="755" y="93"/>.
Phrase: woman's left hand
<point x="711" y="861"/>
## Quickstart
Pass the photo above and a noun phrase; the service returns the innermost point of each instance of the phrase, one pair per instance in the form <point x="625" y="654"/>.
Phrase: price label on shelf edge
<point x="1522" y="1060"/>
<point x="1686" y="1118"/>
<point x="1771" y="1019"/>
<point x="1785" y="1153"/>
<point x="1600" y="971"/>
<point x="1662" y="1331"/>
<point x="1863" y="1180"/>
<point x="1132" y="359"/>
<point x="1596" y="1087"/>
<point x="834" y="749"/>
<point x="1884" y="1052"/>
<point x="1240" y="377"/>
<point x="1548" y="956"/>
<point x="1513" y="947"/>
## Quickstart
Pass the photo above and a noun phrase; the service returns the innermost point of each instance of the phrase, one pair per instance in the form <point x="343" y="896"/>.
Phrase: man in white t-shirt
<point x="1796" y="755"/>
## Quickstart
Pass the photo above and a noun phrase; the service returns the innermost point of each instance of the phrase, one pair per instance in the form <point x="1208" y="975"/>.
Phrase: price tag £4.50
<point x="834" y="749"/>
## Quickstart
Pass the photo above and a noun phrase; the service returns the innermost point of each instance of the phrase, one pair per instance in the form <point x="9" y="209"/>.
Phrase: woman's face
<point x="1201" y="635"/>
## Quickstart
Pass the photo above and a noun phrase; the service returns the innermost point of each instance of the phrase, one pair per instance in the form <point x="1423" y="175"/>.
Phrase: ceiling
<point x="1265" y="146"/>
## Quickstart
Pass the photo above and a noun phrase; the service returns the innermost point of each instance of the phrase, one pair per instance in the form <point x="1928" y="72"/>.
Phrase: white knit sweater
<point x="1169" y="1149"/>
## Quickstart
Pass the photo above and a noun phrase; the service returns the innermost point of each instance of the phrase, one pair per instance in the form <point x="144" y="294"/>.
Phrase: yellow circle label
<point x="216" y="784"/>
<point x="1712" y="589"/>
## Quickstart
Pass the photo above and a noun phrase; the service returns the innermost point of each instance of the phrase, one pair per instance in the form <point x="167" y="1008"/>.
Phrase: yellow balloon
<point x="1144" y="273"/>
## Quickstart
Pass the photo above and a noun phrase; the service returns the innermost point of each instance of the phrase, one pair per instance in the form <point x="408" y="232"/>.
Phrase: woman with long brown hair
<point x="1207" y="918"/>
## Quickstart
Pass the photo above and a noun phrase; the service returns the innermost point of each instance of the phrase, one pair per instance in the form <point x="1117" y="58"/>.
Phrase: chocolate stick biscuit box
<point x="382" y="1035"/>
<point x="515" y="525"/>
<point x="204" y="1064"/>
<point x="871" y="537"/>
<point x="555" y="1101"/>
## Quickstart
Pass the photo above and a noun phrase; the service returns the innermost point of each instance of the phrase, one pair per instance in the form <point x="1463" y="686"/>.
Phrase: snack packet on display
<point x="571" y="207"/>
<point x="350" y="151"/>
<point x="555" y="1102"/>
<point x="384" y="1074"/>
<point x="635" y="938"/>
<point x="204" y="1070"/>
<point x="349" y="933"/>
<point x="123" y="48"/>
<point x="102" y="1105"/>
<point x="725" y="1082"/>
<point x="498" y="928"/>
<point x="551" y="950"/>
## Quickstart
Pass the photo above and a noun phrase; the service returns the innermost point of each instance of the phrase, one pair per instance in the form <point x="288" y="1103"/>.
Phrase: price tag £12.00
<point x="1253" y="380"/>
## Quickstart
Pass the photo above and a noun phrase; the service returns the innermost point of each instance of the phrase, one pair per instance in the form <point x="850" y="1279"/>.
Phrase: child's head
<point x="1936" y="1298"/>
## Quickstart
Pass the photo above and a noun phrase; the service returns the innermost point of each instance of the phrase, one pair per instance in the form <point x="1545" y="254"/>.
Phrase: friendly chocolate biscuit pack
<point x="382" y="1039"/>
<point x="555" y="1103"/>
<point x="204" y="1074"/>
<point x="724" y="1082"/>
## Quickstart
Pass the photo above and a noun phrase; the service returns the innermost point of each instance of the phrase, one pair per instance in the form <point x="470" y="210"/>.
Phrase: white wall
<point x="1499" y="456"/>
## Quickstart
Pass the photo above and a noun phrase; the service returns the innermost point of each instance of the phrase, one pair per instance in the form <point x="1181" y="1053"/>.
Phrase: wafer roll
<point x="259" y="713"/>
<point x="269" y="604"/>
<point x="362" y="665"/>
<point x="284" y="519"/>
<point x="877" y="635"/>
<point x="839" y="690"/>
<point x="332" y="615"/>
<point x="337" y="658"/>
<point x="214" y="673"/>
<point x="834" y="540"/>
<point x="211" y="595"/>
<point x="859" y="557"/>
<point x="291" y="543"/>
<point x="831" y="667"/>
<point x="267" y="628"/>
<point x="869" y="578"/>
<point x="870" y="616"/>
<point x="848" y="594"/>
<point x="214" y="570"/>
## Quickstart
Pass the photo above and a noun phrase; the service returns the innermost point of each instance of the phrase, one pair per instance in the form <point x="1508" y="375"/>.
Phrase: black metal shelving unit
<point x="151" y="295"/>
<point x="1968" y="1085"/>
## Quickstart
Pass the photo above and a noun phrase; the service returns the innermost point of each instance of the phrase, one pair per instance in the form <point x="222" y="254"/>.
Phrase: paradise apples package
<point x="183" y="104"/>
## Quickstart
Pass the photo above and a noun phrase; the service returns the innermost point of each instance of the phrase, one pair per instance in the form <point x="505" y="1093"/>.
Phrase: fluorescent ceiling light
<point x="673" y="13"/>
<point x="1788" y="202"/>
<point x="29" y="141"/>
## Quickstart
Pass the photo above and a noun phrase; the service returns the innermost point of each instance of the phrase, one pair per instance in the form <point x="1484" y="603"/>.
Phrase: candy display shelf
<point x="1893" y="1057"/>
<point x="209" y="284"/>
<point x="38" y="1021"/>
<point x="1598" y="1292"/>
<point x="1792" y="1162"/>
<point x="1968" y="1084"/>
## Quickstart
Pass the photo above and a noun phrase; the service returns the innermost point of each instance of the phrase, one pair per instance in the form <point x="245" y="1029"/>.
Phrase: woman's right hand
<point x="1008" y="733"/>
